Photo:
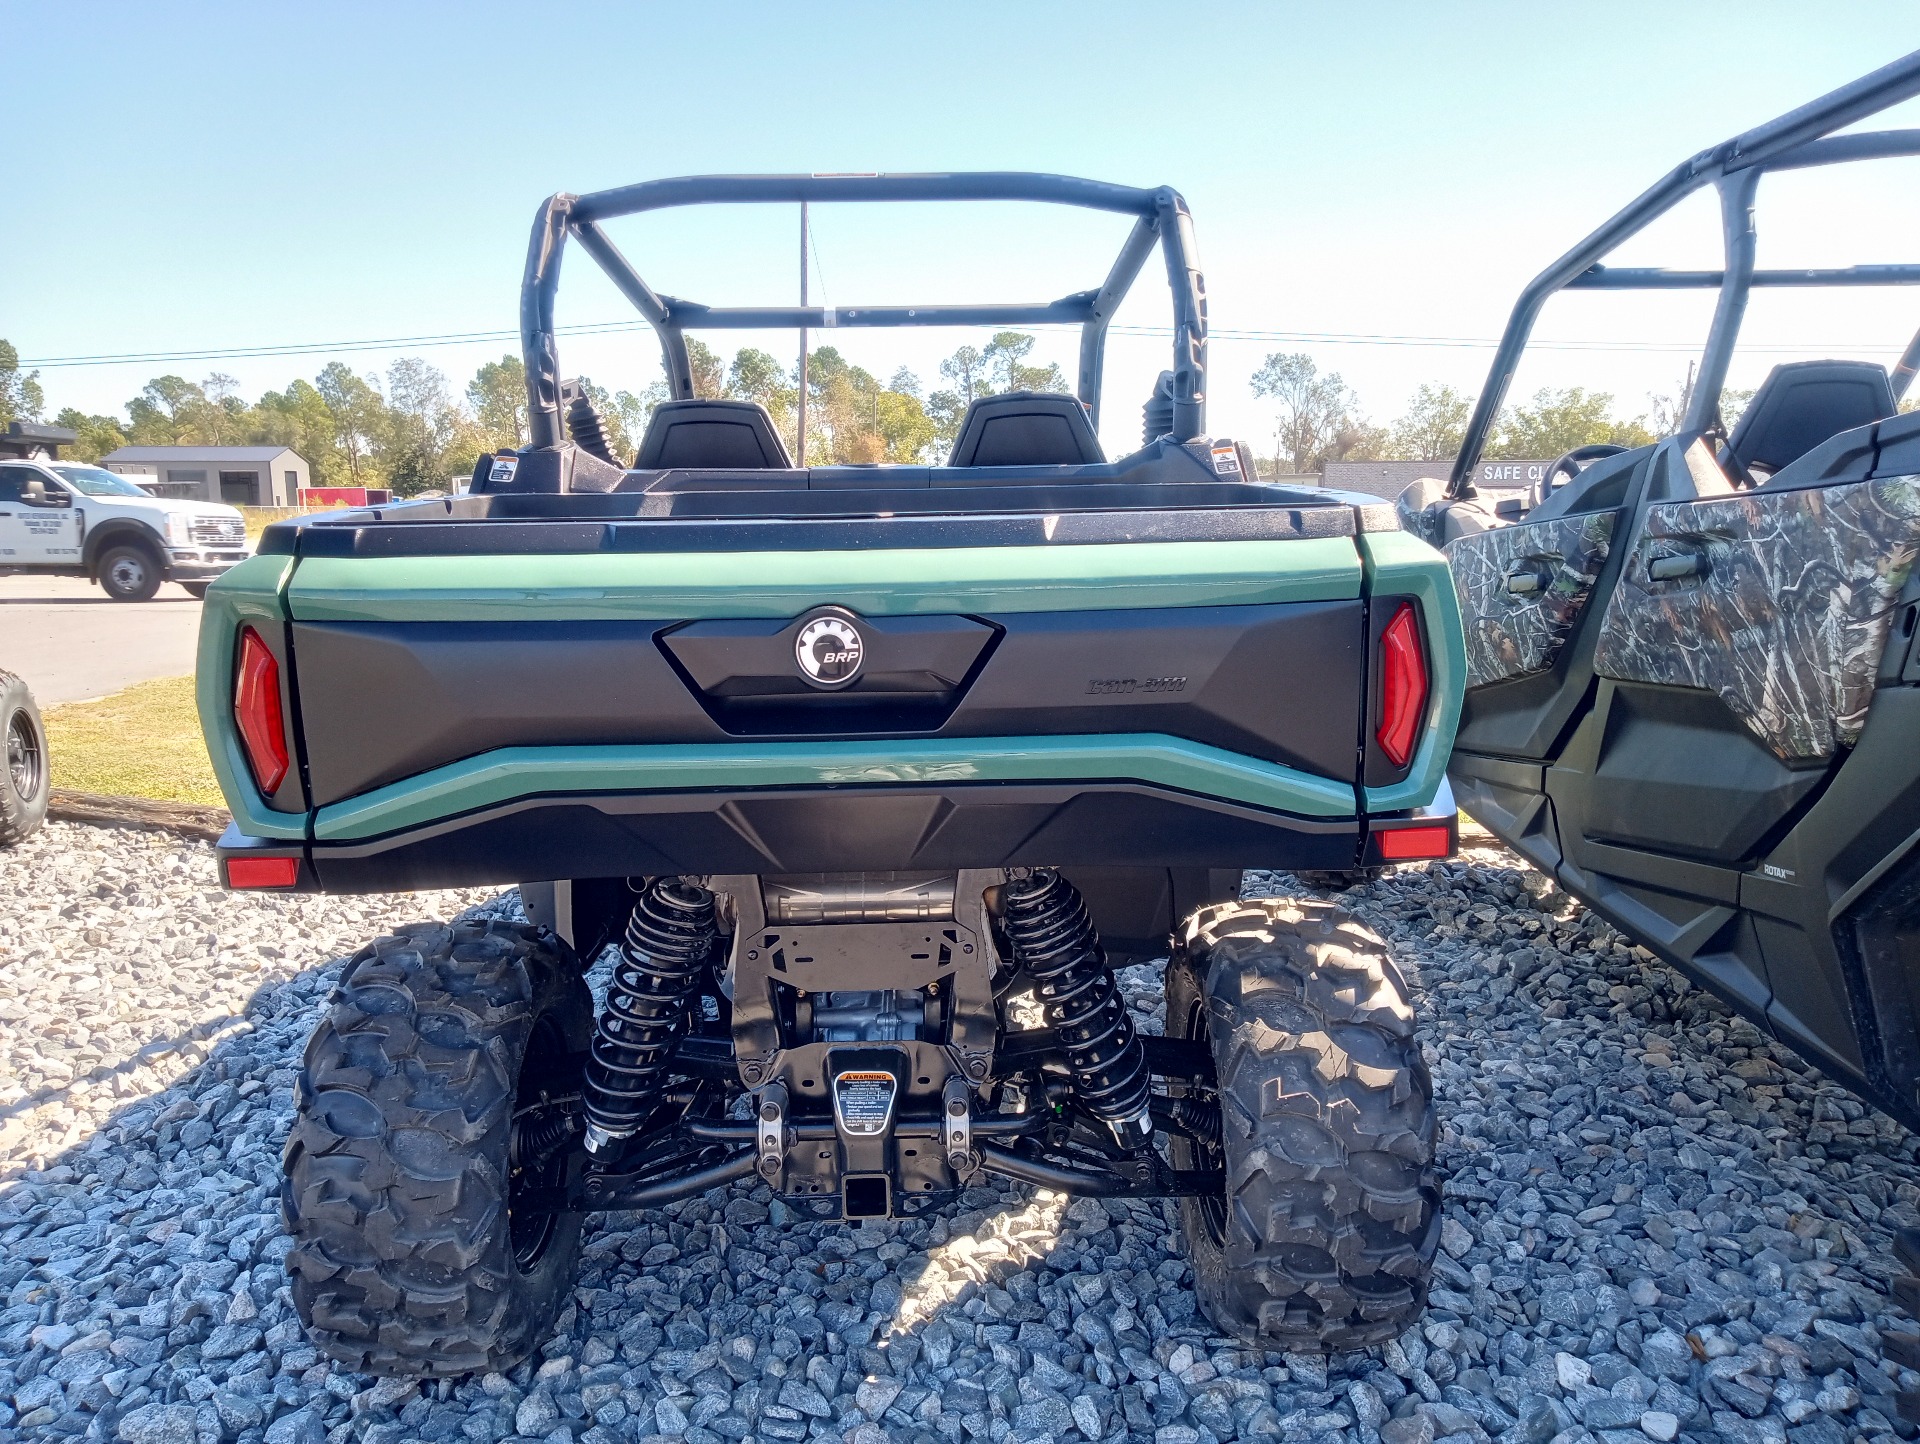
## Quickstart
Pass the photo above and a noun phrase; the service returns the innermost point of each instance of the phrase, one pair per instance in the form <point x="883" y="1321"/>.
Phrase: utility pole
<point x="1686" y="393"/>
<point x="803" y="336"/>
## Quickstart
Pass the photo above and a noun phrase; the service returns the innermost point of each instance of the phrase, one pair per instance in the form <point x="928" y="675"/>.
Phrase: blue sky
<point x="203" y="176"/>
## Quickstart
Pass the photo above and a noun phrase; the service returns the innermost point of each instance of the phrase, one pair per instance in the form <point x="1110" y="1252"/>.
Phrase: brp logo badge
<point x="829" y="649"/>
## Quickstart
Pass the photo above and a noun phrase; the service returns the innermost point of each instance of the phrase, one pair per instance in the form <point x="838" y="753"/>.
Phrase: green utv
<point x="872" y="775"/>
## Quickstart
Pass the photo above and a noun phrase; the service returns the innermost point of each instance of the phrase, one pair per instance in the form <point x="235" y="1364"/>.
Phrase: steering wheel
<point x="1574" y="462"/>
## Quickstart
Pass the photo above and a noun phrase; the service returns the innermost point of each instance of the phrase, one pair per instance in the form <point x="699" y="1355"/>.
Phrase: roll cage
<point x="1160" y="217"/>
<point x="1799" y="139"/>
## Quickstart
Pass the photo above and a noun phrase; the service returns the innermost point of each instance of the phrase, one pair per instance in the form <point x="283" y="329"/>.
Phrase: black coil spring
<point x="542" y="1135"/>
<point x="589" y="431"/>
<point x="1055" y="943"/>
<point x="662" y="958"/>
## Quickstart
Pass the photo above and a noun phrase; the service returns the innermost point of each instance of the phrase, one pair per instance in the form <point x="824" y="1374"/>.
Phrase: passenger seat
<point x="1026" y="428"/>
<point x="704" y="435"/>
<point x="1801" y="405"/>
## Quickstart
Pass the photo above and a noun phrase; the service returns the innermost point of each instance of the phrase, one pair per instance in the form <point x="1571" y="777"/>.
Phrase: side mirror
<point x="34" y="492"/>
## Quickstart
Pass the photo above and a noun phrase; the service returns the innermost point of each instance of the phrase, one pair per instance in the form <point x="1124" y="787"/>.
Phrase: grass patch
<point x="259" y="518"/>
<point x="143" y="742"/>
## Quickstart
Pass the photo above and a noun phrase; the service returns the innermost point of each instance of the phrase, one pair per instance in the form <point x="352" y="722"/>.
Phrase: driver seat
<point x="1800" y="405"/>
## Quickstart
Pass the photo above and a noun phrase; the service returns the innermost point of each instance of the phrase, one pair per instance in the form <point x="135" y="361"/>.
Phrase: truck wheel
<point x="419" y="1117"/>
<point x="25" y="784"/>
<point x="196" y="590"/>
<point x="128" y="573"/>
<point x="1324" y="1237"/>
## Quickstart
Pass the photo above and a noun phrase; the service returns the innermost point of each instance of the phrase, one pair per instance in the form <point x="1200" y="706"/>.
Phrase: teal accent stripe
<point x="511" y="773"/>
<point x="1403" y="565"/>
<point x="249" y="592"/>
<point x="678" y="585"/>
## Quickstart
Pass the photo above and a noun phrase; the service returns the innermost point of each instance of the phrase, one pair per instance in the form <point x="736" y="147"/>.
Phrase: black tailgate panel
<point x="381" y="701"/>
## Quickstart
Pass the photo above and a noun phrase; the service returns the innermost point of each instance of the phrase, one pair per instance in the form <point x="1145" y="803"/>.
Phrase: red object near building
<point x="344" y="495"/>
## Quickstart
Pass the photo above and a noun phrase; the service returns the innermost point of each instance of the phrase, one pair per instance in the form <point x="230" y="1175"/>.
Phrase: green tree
<point x="161" y="413"/>
<point x="359" y="419"/>
<point x="966" y="369"/>
<point x="422" y="426"/>
<point x="709" y="371"/>
<point x="626" y="417"/>
<point x="21" y="398"/>
<point x="1434" y="426"/>
<point x="1555" y="422"/>
<point x="1005" y="360"/>
<point x="298" y="418"/>
<point x="753" y="375"/>
<point x="903" y="426"/>
<point x="756" y="376"/>
<point x="1314" y="411"/>
<point x="498" y="396"/>
<point x="95" y="435"/>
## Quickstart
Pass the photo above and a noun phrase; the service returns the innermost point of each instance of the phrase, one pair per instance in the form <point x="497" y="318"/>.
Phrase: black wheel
<point x="26" y="782"/>
<point x="129" y="573"/>
<point x="1324" y="1237"/>
<point x="196" y="590"/>
<point x="444" y="1080"/>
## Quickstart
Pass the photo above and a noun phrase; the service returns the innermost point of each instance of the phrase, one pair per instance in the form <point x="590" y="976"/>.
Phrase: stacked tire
<point x="26" y="782"/>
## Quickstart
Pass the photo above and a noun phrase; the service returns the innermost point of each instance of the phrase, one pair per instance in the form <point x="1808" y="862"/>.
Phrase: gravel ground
<point x="1658" y="1224"/>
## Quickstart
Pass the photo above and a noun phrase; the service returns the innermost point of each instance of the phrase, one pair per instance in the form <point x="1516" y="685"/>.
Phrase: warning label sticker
<point x="1226" y="460"/>
<point x="864" y="1101"/>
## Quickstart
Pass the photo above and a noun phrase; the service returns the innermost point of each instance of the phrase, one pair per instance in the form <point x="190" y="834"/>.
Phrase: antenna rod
<point x="803" y="336"/>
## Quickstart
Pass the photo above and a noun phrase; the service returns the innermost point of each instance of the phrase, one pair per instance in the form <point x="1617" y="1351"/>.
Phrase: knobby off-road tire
<point x="26" y="772"/>
<point x="407" y="1259"/>
<point x="1325" y="1237"/>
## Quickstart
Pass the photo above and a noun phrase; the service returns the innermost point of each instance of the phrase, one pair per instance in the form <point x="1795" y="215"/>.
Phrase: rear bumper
<point x="828" y="829"/>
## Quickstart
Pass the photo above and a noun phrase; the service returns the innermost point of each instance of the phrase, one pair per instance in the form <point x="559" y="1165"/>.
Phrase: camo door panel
<point x="1779" y="602"/>
<point x="1522" y="588"/>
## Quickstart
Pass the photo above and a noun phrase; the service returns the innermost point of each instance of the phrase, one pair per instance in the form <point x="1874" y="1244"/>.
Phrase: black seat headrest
<point x="1804" y="403"/>
<point x="711" y="436"/>
<point x="1026" y="428"/>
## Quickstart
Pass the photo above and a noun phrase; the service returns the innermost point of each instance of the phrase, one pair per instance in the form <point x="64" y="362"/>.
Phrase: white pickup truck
<point x="66" y="519"/>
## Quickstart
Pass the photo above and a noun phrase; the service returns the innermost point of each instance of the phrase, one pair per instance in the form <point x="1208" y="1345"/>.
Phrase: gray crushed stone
<point x="1659" y="1226"/>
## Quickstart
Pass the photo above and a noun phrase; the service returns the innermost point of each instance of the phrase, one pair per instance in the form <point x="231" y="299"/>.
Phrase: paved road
<point x="71" y="643"/>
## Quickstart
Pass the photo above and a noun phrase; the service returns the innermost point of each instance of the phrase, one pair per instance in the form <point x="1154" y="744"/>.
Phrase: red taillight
<point x="1410" y="844"/>
<point x="256" y="710"/>
<point x="1403" y="686"/>
<point x="243" y="872"/>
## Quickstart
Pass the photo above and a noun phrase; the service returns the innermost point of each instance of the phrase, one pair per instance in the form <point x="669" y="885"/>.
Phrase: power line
<point x="603" y="328"/>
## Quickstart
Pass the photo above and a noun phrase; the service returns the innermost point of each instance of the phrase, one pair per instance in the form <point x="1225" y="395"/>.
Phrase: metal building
<point x="237" y="475"/>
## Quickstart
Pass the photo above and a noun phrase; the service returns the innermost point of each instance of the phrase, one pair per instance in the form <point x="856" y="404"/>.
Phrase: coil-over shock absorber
<point x="668" y="941"/>
<point x="1055" y="943"/>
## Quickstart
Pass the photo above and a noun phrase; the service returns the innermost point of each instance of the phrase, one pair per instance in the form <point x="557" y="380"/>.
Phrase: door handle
<point x="1677" y="565"/>
<point x="1530" y="575"/>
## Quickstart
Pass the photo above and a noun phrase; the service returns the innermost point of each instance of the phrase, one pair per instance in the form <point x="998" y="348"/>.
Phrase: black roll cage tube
<point x="1795" y="141"/>
<point x="1160" y="216"/>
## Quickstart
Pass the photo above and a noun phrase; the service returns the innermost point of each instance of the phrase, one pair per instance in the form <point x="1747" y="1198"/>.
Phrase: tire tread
<point x="395" y="1171"/>
<point x="1333" y="1198"/>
